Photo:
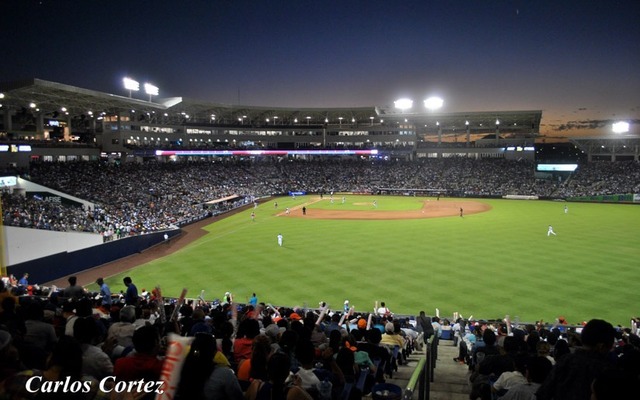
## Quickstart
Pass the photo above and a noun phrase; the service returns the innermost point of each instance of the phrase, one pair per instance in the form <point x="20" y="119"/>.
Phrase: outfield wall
<point x="612" y="198"/>
<point x="26" y="244"/>
<point x="74" y="259"/>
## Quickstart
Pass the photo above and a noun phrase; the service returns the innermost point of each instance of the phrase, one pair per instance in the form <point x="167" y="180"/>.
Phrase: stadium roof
<point x="51" y="97"/>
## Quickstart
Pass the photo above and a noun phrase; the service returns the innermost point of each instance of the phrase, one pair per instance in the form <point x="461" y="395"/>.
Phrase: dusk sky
<point x="577" y="61"/>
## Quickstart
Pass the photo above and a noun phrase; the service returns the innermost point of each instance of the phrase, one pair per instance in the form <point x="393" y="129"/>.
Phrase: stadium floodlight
<point x="403" y="104"/>
<point x="151" y="90"/>
<point x="620" y="127"/>
<point x="131" y="85"/>
<point x="433" y="103"/>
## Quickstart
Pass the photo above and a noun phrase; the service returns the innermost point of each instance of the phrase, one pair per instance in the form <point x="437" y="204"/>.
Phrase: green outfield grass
<point x="488" y="265"/>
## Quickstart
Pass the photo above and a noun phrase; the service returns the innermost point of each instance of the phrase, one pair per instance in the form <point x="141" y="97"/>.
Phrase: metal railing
<point x="423" y="374"/>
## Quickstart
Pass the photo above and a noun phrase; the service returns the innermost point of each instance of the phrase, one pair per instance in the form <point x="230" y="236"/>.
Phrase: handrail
<point x="423" y="374"/>
<point x="417" y="378"/>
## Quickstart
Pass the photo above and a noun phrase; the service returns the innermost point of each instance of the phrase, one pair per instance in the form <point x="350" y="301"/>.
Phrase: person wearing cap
<point x="362" y="324"/>
<point x="346" y="306"/>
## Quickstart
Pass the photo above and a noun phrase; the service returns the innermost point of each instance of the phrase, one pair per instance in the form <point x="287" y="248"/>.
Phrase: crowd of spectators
<point x="133" y="198"/>
<point x="103" y="339"/>
<point x="256" y="350"/>
<point x="598" y="178"/>
<point x="538" y="361"/>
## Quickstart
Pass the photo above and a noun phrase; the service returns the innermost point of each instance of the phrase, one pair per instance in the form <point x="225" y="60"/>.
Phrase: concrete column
<point x="468" y="144"/>
<point x="6" y="118"/>
<point x="40" y="125"/>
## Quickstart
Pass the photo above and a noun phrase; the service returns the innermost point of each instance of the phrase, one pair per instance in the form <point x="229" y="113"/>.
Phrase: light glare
<point x="130" y="84"/>
<point x="433" y="103"/>
<point x="151" y="90"/>
<point x="620" y="127"/>
<point x="403" y="104"/>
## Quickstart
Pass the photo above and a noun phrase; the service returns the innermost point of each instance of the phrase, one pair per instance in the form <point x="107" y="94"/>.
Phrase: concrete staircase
<point x="450" y="378"/>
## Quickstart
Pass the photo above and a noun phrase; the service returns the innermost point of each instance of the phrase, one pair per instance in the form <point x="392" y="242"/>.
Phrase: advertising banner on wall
<point x="52" y="198"/>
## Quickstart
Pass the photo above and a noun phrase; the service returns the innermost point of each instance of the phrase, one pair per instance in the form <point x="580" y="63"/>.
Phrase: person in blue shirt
<point x="105" y="293"/>
<point x="253" y="300"/>
<point x="24" y="281"/>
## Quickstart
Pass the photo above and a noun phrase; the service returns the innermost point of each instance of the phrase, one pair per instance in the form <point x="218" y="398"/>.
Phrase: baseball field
<point x="416" y="254"/>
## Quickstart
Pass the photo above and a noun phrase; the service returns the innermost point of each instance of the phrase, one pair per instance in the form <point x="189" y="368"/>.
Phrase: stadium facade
<point x="53" y="117"/>
<point x="51" y="121"/>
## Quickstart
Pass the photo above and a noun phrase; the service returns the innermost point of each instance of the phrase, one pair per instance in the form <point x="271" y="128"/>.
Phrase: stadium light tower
<point x="151" y="90"/>
<point x="433" y="103"/>
<point x="131" y="85"/>
<point x="403" y="104"/>
<point x="620" y="127"/>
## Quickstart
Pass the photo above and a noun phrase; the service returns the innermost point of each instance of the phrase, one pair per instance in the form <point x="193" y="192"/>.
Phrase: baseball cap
<point x="362" y="323"/>
<point x="273" y="330"/>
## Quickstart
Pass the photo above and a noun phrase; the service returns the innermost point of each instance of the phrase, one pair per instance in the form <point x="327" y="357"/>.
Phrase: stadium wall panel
<point x="61" y="264"/>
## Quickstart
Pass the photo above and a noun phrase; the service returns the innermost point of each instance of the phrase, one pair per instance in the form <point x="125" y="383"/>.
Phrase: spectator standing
<point x="383" y="311"/>
<point x="131" y="295"/>
<point x="24" y="281"/>
<point x="74" y="291"/>
<point x="105" y="293"/>
<point x="253" y="300"/>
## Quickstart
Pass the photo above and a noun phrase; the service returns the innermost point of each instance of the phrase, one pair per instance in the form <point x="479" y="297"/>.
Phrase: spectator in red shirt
<point x="144" y="363"/>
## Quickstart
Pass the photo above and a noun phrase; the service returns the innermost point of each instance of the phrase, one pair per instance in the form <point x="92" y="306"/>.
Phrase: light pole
<point x="151" y="90"/>
<point x="131" y="85"/>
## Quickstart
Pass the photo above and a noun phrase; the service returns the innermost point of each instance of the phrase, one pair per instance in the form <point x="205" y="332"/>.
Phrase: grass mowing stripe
<point x="488" y="264"/>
